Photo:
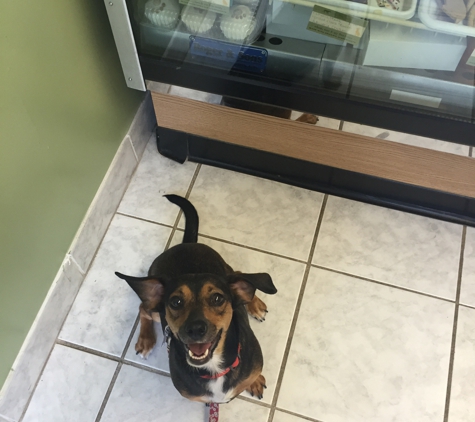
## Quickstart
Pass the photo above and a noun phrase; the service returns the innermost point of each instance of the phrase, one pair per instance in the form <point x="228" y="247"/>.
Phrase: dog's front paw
<point x="144" y="346"/>
<point x="257" y="309"/>
<point x="257" y="387"/>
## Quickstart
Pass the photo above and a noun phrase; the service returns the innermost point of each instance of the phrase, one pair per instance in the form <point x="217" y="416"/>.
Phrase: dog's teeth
<point x="193" y="356"/>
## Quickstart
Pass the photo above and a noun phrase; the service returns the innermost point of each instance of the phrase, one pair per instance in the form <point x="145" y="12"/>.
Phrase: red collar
<point x="234" y="365"/>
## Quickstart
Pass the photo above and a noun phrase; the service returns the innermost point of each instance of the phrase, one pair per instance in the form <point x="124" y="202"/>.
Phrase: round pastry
<point x="198" y="21"/>
<point x="238" y="23"/>
<point x="163" y="13"/>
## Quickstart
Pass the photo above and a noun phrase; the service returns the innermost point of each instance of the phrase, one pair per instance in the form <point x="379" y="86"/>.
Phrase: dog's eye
<point x="217" y="299"/>
<point x="176" y="302"/>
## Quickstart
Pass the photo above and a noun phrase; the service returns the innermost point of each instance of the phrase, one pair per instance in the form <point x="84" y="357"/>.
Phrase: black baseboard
<point x="180" y="146"/>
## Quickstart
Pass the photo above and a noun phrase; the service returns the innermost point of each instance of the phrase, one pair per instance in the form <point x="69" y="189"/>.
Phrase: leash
<point x="213" y="412"/>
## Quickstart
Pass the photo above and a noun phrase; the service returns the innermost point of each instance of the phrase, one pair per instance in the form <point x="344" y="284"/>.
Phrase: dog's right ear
<point x="150" y="290"/>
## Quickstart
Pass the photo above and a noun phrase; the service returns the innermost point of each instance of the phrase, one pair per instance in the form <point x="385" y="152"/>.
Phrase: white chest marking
<point x="217" y="395"/>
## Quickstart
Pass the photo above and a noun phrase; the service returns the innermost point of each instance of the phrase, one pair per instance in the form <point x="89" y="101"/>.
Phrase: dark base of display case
<point x="181" y="146"/>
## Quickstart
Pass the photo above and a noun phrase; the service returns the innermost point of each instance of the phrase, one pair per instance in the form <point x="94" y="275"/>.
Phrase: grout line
<point x="382" y="283"/>
<point x="108" y="356"/>
<point x="467" y="306"/>
<point x="137" y="319"/>
<point x="144" y="219"/>
<point x="298" y="415"/>
<point x="131" y="336"/>
<point x="251" y="248"/>
<point x="108" y="392"/>
<point x="454" y="331"/>
<point x="187" y="196"/>
<point x="297" y="310"/>
<point x="470" y="152"/>
<point x="257" y="403"/>
<point x="89" y="350"/>
<point x="206" y="236"/>
<point x="340" y="126"/>
<point x="133" y="148"/>
<point x="146" y="368"/>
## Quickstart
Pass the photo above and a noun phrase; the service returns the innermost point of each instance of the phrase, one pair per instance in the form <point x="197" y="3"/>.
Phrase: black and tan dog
<point x="213" y="353"/>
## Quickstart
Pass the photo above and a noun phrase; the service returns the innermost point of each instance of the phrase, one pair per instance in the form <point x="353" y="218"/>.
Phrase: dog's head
<point x="199" y="307"/>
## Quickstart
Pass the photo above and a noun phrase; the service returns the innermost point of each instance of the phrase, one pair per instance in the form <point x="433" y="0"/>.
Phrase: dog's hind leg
<point x="257" y="309"/>
<point x="147" y="337"/>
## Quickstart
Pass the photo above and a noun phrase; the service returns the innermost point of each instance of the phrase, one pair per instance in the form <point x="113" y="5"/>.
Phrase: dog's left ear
<point x="244" y="285"/>
<point x="150" y="290"/>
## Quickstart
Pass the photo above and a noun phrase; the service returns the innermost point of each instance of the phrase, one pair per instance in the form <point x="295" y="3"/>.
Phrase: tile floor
<point x="374" y="320"/>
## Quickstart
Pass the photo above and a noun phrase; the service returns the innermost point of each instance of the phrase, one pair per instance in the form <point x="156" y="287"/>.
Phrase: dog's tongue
<point x="199" y="348"/>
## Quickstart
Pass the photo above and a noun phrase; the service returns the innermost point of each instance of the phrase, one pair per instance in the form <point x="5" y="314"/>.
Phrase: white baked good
<point x="238" y="23"/>
<point x="163" y="13"/>
<point x="198" y="21"/>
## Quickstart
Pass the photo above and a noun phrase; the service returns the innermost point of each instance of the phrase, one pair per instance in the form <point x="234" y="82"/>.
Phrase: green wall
<point x="64" y="108"/>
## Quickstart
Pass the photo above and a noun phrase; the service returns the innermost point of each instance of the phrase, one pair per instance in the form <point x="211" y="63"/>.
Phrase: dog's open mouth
<point x="200" y="353"/>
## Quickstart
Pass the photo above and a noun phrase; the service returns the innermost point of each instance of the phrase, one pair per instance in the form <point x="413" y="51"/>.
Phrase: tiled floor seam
<point x="382" y="283"/>
<point x="124" y="214"/>
<point x="306" y="418"/>
<point x="454" y="331"/>
<point x="297" y="310"/>
<point x="117" y="359"/>
<point x="218" y="239"/>
<point x="131" y="335"/>
<point x="108" y="392"/>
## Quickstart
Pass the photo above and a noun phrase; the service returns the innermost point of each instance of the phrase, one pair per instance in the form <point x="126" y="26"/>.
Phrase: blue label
<point x="224" y="54"/>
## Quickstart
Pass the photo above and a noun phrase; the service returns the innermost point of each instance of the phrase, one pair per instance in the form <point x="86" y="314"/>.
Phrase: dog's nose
<point x="196" y="329"/>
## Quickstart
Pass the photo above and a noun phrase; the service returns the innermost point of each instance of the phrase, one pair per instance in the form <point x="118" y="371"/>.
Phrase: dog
<point x="202" y="304"/>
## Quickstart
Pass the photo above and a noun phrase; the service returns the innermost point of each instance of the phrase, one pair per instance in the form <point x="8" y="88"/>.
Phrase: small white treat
<point x="238" y="23"/>
<point x="198" y="21"/>
<point x="163" y="13"/>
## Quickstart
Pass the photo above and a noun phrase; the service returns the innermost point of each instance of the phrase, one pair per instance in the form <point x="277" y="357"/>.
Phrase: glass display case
<point x="405" y="65"/>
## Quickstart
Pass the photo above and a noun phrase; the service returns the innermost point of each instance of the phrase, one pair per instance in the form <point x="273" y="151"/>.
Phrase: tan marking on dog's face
<point x="218" y="315"/>
<point x="211" y="301"/>
<point x="177" y="317"/>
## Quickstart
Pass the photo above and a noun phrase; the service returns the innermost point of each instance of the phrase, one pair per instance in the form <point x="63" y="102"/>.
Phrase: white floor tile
<point x="363" y="352"/>
<point x="155" y="177"/>
<point x="104" y="205"/>
<point x="404" y="138"/>
<point x="71" y="388"/>
<point x="256" y="212"/>
<point x="273" y="332"/>
<point x="467" y="292"/>
<point x="390" y="246"/>
<point x="462" y="398"/>
<point x="139" y="396"/>
<point x="105" y="309"/>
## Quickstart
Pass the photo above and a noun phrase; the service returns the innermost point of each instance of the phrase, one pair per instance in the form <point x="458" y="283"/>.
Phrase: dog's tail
<point x="191" y="217"/>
